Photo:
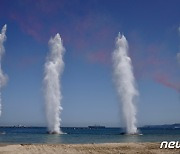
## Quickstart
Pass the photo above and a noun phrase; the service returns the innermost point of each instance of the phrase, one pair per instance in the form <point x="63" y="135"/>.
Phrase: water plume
<point x="125" y="83"/>
<point x="3" y="77"/>
<point x="52" y="88"/>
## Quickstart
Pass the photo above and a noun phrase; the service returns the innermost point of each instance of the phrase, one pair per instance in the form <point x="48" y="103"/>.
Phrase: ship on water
<point x="96" y="127"/>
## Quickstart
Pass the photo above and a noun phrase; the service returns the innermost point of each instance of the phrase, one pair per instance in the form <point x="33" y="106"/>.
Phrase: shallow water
<point x="79" y="135"/>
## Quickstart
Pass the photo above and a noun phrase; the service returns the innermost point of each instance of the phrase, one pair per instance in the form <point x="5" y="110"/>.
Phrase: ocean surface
<point x="78" y="135"/>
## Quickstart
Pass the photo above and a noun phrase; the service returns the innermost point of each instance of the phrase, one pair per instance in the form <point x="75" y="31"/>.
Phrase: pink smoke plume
<point x="167" y="82"/>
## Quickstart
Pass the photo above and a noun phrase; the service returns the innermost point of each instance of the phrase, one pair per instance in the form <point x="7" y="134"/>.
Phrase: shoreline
<point x="104" y="148"/>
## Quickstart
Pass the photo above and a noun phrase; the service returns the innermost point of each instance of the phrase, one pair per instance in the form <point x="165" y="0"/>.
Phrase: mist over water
<point x="3" y="77"/>
<point x="125" y="83"/>
<point x="52" y="88"/>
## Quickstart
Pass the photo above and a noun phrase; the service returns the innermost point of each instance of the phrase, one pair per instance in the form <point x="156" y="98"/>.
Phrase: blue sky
<point x="88" y="29"/>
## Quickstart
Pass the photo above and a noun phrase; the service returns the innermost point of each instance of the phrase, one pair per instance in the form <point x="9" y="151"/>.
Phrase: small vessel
<point x="96" y="127"/>
<point x="2" y="133"/>
<point x="176" y="127"/>
<point x="123" y="133"/>
<point x="52" y="132"/>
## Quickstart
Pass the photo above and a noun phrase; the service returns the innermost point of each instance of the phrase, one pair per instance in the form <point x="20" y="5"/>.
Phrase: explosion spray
<point x="125" y="83"/>
<point x="53" y="70"/>
<point x="3" y="78"/>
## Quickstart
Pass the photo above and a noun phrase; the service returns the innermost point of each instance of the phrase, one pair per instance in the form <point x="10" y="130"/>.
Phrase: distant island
<point x="167" y="126"/>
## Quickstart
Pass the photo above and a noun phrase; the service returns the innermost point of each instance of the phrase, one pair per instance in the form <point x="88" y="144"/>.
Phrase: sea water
<point x="79" y="135"/>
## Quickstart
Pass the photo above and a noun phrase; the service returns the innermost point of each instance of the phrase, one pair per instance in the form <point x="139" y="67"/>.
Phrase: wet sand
<point x="108" y="148"/>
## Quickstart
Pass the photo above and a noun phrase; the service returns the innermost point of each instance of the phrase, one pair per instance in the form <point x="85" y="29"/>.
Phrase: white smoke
<point x="3" y="77"/>
<point x="125" y="83"/>
<point x="53" y="70"/>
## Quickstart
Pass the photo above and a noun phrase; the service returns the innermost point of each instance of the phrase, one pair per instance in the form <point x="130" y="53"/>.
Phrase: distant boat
<point x="52" y="132"/>
<point x="176" y="127"/>
<point x="96" y="127"/>
<point x="19" y="126"/>
<point x="2" y="133"/>
<point x="123" y="133"/>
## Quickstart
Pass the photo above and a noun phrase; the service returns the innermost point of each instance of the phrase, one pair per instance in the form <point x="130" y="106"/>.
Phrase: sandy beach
<point x="109" y="148"/>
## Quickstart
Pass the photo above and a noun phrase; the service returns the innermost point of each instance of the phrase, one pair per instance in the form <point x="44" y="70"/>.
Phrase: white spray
<point x="3" y="78"/>
<point x="125" y="83"/>
<point x="53" y="70"/>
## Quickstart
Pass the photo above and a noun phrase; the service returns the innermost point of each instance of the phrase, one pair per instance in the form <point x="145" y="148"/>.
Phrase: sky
<point x="88" y="30"/>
